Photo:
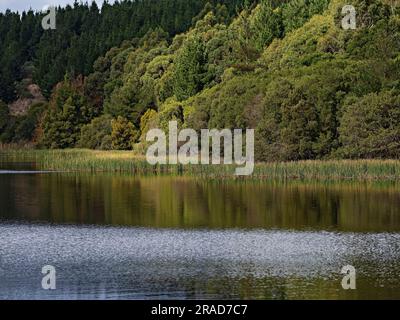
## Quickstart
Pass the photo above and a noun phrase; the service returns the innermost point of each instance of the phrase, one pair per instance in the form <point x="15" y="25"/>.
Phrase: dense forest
<point x="103" y="78"/>
<point x="83" y="33"/>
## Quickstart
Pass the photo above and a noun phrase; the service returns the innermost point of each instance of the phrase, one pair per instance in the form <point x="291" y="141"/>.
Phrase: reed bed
<point x="127" y="161"/>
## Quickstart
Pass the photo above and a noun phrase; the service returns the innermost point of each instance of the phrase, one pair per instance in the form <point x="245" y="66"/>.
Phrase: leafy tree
<point x="68" y="111"/>
<point x="27" y="124"/>
<point x="134" y="86"/>
<point x="370" y="127"/>
<point x="96" y="134"/>
<point x="147" y="122"/>
<point x="189" y="69"/>
<point x="123" y="134"/>
<point x="267" y="24"/>
<point x="296" y="12"/>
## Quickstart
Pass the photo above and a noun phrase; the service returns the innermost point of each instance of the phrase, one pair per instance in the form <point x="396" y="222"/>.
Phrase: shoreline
<point x="86" y="160"/>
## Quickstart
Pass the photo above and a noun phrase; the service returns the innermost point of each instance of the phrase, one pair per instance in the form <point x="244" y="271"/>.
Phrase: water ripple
<point x="106" y="262"/>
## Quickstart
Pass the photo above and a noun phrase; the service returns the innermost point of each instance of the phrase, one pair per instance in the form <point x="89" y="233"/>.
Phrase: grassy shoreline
<point x="127" y="161"/>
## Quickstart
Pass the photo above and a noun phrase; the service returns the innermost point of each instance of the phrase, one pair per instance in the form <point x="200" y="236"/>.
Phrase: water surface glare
<point x="142" y="263"/>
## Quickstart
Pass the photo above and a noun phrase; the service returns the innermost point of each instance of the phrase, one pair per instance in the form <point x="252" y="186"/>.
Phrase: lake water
<point x="116" y="236"/>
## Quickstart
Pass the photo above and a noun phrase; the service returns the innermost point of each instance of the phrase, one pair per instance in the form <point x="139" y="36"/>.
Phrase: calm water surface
<point x="114" y="236"/>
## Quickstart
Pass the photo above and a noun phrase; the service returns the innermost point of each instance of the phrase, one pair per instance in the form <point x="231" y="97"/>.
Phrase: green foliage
<point x="123" y="134"/>
<point x="96" y="134"/>
<point x="20" y="128"/>
<point x="7" y="124"/>
<point x="26" y="125"/>
<point x="147" y="122"/>
<point x="286" y="69"/>
<point x="300" y="47"/>
<point x="4" y="116"/>
<point x="296" y="12"/>
<point x="224" y="106"/>
<point x="172" y="110"/>
<point x="68" y="111"/>
<point x="85" y="32"/>
<point x="134" y="73"/>
<point x="267" y="24"/>
<point x="370" y="127"/>
<point x="189" y="68"/>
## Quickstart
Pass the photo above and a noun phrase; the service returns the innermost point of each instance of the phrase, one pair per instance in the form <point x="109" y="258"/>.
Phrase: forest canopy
<point x="309" y="88"/>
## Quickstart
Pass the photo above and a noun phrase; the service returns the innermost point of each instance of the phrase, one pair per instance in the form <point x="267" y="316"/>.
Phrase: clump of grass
<point x="332" y="169"/>
<point x="127" y="161"/>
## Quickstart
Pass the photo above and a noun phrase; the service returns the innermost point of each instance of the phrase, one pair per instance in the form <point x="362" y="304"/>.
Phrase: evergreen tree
<point x="123" y="134"/>
<point x="189" y="69"/>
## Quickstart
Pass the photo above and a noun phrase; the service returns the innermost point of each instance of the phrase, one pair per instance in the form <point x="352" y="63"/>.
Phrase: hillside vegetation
<point x="310" y="89"/>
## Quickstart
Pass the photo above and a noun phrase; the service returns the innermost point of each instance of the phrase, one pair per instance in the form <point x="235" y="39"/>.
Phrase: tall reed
<point x="127" y="161"/>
